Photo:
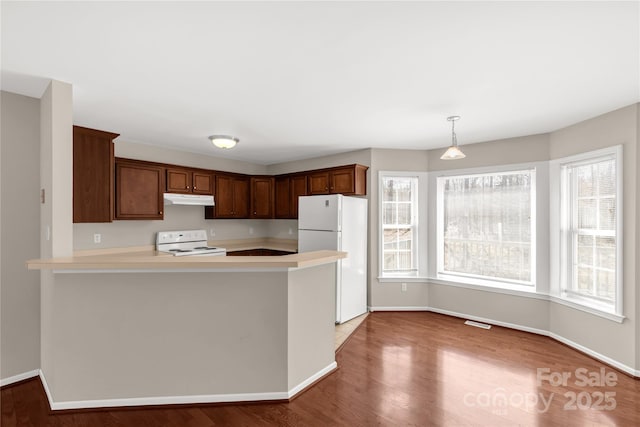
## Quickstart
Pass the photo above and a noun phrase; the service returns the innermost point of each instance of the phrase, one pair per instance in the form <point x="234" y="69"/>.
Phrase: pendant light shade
<point x="224" y="141"/>
<point x="453" y="152"/>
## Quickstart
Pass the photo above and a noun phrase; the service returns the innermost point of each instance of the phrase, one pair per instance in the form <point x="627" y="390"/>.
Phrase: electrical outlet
<point x="250" y="230"/>
<point x="212" y="232"/>
<point x="97" y="238"/>
<point x="404" y="287"/>
<point x="290" y="231"/>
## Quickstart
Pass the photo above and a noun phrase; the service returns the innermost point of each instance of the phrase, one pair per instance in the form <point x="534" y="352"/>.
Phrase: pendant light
<point x="453" y="152"/>
<point x="224" y="141"/>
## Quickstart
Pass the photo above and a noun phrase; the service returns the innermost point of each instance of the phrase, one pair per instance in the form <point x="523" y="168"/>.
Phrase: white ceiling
<point x="300" y="79"/>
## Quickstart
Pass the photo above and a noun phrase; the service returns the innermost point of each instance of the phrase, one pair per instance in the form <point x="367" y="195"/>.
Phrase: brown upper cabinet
<point x="180" y="180"/>
<point x="139" y="190"/>
<point x="93" y="164"/>
<point x="349" y="180"/>
<point x="287" y="190"/>
<point x="262" y="192"/>
<point x="232" y="197"/>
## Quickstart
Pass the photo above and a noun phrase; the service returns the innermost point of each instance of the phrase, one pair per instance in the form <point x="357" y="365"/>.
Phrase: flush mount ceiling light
<point x="224" y="141"/>
<point x="453" y="152"/>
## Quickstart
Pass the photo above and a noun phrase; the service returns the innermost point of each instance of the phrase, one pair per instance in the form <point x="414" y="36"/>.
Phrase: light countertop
<point x="147" y="258"/>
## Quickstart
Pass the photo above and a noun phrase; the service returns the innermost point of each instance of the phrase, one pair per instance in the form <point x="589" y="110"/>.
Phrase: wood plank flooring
<point x="402" y="369"/>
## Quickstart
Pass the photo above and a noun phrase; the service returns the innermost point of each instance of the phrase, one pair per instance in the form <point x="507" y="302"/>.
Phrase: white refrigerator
<point x="338" y="223"/>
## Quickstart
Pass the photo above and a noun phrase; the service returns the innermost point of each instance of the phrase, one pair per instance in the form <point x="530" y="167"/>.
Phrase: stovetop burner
<point x="186" y="243"/>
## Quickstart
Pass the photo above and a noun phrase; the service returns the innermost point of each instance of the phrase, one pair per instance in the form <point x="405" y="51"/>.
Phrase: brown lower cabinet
<point x="259" y="252"/>
<point x="139" y="190"/>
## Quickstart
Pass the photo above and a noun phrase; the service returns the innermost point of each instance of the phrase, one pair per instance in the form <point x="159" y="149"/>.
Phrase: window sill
<point x="572" y="303"/>
<point x="402" y="279"/>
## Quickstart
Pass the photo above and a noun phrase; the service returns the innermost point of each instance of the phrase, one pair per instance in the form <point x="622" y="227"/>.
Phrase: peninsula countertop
<point x="145" y="258"/>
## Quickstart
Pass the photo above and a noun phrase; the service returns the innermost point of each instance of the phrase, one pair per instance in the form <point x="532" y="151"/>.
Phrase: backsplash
<point x="140" y="233"/>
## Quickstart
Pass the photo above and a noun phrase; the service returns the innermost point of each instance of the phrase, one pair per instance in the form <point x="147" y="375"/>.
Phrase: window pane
<point x="607" y="212"/>
<point x="587" y="213"/>
<point x="391" y="238"/>
<point x="585" y="280"/>
<point x="585" y="250"/>
<point x="487" y="225"/>
<point x="606" y="252"/>
<point x="606" y="284"/>
<point x="606" y="178"/>
<point x="389" y="213"/>
<point x="404" y="213"/>
<point x="390" y="261"/>
<point x="585" y="181"/>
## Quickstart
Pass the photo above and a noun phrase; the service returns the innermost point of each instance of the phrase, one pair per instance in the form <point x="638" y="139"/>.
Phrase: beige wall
<point x="310" y="318"/>
<point x="20" y="225"/>
<point x="56" y="214"/>
<point x="509" y="309"/>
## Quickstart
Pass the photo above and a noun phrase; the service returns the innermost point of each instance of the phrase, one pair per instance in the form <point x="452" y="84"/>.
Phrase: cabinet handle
<point x="187" y="187"/>
<point x="255" y="213"/>
<point x="194" y="187"/>
<point x="160" y="213"/>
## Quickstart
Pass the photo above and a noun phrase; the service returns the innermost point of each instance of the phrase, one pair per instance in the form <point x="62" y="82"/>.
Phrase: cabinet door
<point x="298" y="188"/>
<point x="139" y="191"/>
<point x="224" y="197"/>
<point x="282" y="204"/>
<point x="342" y="181"/>
<point x="202" y="183"/>
<point x="178" y="181"/>
<point x="262" y="197"/>
<point x="318" y="183"/>
<point x="241" y="198"/>
<point x="93" y="165"/>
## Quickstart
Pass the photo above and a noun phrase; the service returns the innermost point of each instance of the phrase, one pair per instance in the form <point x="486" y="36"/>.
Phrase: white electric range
<point x="186" y="243"/>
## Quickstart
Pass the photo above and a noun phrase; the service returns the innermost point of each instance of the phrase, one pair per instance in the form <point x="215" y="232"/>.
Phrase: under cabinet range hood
<point x="188" y="199"/>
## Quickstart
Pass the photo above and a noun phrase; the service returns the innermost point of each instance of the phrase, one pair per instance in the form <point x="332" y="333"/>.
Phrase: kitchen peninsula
<point x="138" y="328"/>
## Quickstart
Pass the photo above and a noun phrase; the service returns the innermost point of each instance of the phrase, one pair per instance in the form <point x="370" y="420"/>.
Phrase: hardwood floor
<point x="403" y="369"/>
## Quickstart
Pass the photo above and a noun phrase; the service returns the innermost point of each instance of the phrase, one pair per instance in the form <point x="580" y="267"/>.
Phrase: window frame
<point x="419" y="224"/>
<point x="563" y="286"/>
<point x="470" y="279"/>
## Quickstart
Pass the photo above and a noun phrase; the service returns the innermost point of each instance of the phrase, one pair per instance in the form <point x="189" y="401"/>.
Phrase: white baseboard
<point x="601" y="357"/>
<point x="193" y="399"/>
<point x="315" y="377"/>
<point x="404" y="308"/>
<point x="491" y="321"/>
<point x="19" y="377"/>
<point x="594" y="354"/>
